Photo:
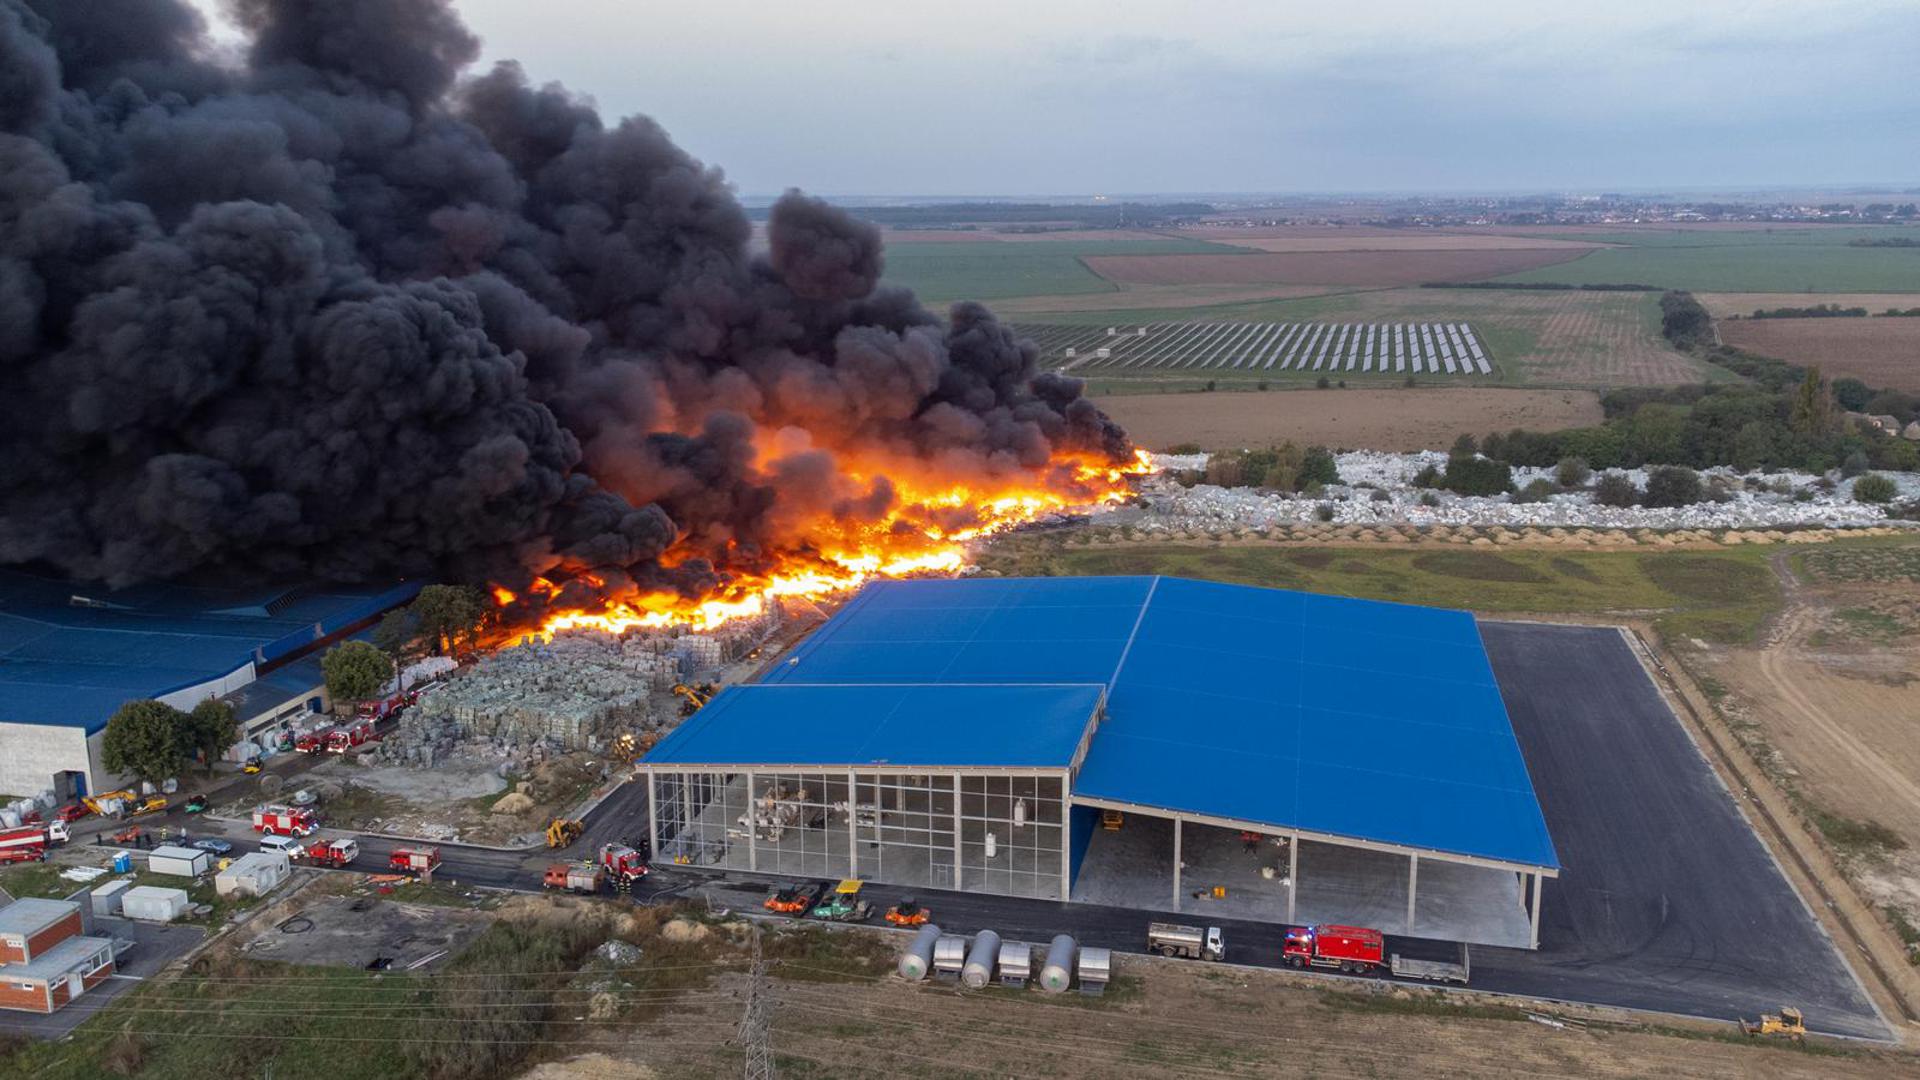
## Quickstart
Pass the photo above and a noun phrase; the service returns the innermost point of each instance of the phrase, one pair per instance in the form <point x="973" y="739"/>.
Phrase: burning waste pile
<point x="329" y="304"/>
<point x="577" y="690"/>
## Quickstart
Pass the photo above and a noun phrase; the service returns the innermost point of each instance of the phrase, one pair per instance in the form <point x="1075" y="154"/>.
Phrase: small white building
<point x="256" y="873"/>
<point x="153" y="904"/>
<point x="176" y="861"/>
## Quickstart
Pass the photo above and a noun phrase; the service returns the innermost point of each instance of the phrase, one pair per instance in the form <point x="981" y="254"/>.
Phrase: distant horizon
<point x="1731" y="193"/>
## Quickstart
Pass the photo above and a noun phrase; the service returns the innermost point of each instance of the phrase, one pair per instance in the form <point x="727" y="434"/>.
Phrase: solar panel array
<point x="1378" y="348"/>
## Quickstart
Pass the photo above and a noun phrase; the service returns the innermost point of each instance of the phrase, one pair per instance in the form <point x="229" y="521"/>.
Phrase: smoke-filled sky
<point x="339" y="301"/>
<point x="1082" y="96"/>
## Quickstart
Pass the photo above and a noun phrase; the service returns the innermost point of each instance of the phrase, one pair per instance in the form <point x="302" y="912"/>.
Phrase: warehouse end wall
<point x="32" y="754"/>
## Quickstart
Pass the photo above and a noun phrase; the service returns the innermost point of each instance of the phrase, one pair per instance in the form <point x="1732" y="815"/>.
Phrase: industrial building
<point x="70" y="655"/>
<point x="46" y="957"/>
<point x="1145" y="741"/>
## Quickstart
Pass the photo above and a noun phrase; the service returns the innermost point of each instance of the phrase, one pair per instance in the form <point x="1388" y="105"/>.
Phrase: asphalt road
<point x="1666" y="900"/>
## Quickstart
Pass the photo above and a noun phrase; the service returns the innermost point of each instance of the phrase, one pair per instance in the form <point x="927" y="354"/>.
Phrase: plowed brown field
<point x="1397" y="419"/>
<point x="1880" y="352"/>
<point x="1384" y="268"/>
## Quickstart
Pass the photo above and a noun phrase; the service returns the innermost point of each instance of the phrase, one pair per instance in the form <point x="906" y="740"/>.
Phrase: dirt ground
<point x="1833" y="690"/>
<point x="467" y="800"/>
<point x="1725" y="304"/>
<point x="1881" y="352"/>
<point x="321" y="927"/>
<point x="1399" y="419"/>
<point x="1182" y="1019"/>
<point x="1326" y="267"/>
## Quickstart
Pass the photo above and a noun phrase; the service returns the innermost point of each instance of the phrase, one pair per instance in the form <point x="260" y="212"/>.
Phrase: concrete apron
<point x="1134" y="868"/>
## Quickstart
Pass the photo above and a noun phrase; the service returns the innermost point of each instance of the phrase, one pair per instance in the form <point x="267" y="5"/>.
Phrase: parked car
<point x="285" y="845"/>
<point x="195" y="804"/>
<point x="217" y="846"/>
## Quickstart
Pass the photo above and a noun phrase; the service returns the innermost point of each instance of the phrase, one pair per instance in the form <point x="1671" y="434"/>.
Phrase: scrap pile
<point x="577" y="691"/>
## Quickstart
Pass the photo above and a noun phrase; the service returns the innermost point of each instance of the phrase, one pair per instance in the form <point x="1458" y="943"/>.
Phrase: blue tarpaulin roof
<point x="1350" y="718"/>
<point x="71" y="654"/>
<point x="914" y="725"/>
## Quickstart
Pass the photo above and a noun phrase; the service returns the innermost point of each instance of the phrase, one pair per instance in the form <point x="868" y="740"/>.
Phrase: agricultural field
<point x="1727" y="305"/>
<point x="1881" y="352"/>
<point x="1377" y="419"/>
<point x="1301" y="238"/>
<point x="947" y="270"/>
<point x="1559" y="338"/>
<point x="1348" y="267"/>
<point x="1812" y="259"/>
<point x="1249" y="347"/>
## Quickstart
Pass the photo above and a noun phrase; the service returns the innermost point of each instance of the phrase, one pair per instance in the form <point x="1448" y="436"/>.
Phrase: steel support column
<point x="1413" y="883"/>
<point x="956" y="832"/>
<point x="1293" y="873"/>
<point x="753" y="828"/>
<point x="1535" y="920"/>
<point x="853" y="825"/>
<point x="653" y="819"/>
<point x="1176" y="863"/>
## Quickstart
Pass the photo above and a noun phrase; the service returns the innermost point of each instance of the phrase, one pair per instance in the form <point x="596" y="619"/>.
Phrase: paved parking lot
<point x="1666" y="899"/>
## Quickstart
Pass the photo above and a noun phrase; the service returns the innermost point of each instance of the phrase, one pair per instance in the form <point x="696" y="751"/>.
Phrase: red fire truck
<point x="29" y="843"/>
<point x="311" y="742"/>
<point x="285" y="820"/>
<point x="334" y="853"/>
<point x="623" y="865"/>
<point x="419" y="861"/>
<point x="1348" y="948"/>
<point x="342" y="739"/>
<point x="380" y="710"/>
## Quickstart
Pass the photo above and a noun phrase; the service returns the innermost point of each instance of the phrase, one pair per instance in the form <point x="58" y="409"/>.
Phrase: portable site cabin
<point x="176" y="861"/>
<point x="256" y="873"/>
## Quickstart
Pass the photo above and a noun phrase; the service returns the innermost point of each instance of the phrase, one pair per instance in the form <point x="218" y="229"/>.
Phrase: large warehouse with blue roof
<point x="72" y="654"/>
<point x="1282" y="754"/>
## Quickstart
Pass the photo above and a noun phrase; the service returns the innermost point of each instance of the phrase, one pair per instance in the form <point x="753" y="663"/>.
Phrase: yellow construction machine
<point x="561" y="832"/>
<point x="1787" y="1023"/>
<point x="104" y="803"/>
<point x="696" y="697"/>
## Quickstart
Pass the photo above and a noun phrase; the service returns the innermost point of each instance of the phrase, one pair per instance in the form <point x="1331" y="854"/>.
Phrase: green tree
<point x="1752" y="445"/>
<point x="1615" y="489"/>
<point x="1812" y="412"/>
<point x="398" y="635"/>
<point x="448" y="616"/>
<point x="209" y="730"/>
<point x="1477" y="476"/>
<point x="1874" y="488"/>
<point x="1572" y="472"/>
<point x="1852" y="394"/>
<point x="1673" y="486"/>
<point x="355" y="672"/>
<point x="143" y="738"/>
<point x="1318" y="467"/>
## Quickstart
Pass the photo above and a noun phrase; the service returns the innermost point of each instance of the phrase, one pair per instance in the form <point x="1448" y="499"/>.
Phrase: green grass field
<point x="1717" y="597"/>
<point x="941" y="272"/>
<point x="1787" y="260"/>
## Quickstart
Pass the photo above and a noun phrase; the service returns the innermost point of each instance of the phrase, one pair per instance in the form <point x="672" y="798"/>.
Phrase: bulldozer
<point x="1787" y="1023"/>
<point x="561" y="832"/>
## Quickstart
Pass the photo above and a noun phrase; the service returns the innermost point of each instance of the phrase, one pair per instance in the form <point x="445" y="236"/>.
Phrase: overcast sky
<point x="1084" y="96"/>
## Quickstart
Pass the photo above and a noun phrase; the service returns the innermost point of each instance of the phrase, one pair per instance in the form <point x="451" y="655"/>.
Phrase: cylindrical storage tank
<point x="978" y="971"/>
<point x="1056" y="975"/>
<point x="918" y="959"/>
<point x="949" y="955"/>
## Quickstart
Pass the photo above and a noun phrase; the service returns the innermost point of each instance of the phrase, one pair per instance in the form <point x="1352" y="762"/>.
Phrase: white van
<point x="284" y="845"/>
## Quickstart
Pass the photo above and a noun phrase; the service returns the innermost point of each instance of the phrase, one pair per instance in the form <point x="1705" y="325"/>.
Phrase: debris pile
<point x="1378" y="489"/>
<point x="579" y="690"/>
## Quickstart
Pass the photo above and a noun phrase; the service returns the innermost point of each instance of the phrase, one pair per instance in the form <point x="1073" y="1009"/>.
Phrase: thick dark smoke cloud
<point x="343" y="308"/>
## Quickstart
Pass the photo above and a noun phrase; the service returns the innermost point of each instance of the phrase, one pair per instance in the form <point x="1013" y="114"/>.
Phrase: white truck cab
<point x="1216" y="944"/>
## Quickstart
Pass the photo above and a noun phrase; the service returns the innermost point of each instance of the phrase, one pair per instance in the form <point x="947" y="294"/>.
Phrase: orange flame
<point x="836" y="555"/>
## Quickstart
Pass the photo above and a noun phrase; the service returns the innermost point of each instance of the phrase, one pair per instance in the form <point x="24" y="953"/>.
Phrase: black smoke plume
<point x="337" y="307"/>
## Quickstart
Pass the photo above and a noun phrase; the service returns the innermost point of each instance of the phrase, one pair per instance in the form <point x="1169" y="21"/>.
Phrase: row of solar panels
<point x="1433" y="348"/>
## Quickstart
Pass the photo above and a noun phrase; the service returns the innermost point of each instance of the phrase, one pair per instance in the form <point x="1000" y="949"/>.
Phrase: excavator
<point x="561" y="832"/>
<point x="1787" y="1023"/>
<point x="695" y="697"/>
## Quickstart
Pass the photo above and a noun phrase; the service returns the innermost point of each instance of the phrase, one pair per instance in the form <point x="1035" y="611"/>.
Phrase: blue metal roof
<point x="72" y="654"/>
<point x="912" y="725"/>
<point x="1351" y="718"/>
